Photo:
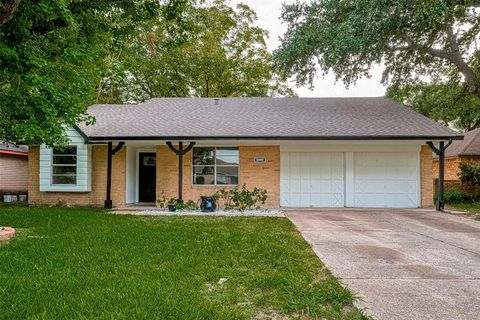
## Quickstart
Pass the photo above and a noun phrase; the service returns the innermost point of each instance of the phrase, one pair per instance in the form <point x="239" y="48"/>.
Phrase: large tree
<point x="196" y="48"/>
<point x="428" y="47"/>
<point x="53" y="54"/>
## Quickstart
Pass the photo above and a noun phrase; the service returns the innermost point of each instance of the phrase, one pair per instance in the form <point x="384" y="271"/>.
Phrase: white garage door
<point x="386" y="180"/>
<point x="312" y="179"/>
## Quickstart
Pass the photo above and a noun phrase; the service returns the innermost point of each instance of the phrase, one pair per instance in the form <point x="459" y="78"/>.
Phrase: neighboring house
<point x="461" y="151"/>
<point x="306" y="152"/>
<point x="13" y="170"/>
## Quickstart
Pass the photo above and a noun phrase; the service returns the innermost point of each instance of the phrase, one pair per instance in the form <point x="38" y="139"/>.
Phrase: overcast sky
<point x="268" y="12"/>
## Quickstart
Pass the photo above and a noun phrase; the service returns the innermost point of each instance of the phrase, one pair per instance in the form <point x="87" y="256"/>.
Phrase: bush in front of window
<point x="242" y="198"/>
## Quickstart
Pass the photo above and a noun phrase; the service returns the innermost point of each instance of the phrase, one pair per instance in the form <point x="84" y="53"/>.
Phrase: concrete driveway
<point x="403" y="264"/>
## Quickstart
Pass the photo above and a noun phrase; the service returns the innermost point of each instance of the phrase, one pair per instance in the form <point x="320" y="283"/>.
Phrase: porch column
<point x="180" y="152"/>
<point x="110" y="152"/>
<point x="440" y="151"/>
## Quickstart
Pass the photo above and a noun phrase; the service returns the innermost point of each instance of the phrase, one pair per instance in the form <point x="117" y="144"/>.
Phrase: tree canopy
<point x="59" y="57"/>
<point x="429" y="50"/>
<point x="197" y="49"/>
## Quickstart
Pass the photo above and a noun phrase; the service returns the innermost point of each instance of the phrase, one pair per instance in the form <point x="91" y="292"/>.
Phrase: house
<point x="13" y="170"/>
<point x="461" y="151"/>
<point x="306" y="152"/>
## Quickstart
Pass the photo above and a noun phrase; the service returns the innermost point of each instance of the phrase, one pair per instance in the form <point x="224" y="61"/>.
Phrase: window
<point x="64" y="166"/>
<point x="215" y="166"/>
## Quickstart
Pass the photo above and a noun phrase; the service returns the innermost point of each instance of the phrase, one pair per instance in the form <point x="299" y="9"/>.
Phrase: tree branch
<point x="7" y="10"/>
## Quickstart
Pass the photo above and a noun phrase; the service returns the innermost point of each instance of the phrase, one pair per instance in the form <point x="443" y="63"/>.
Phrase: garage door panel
<point x="319" y="176"/>
<point x="386" y="180"/>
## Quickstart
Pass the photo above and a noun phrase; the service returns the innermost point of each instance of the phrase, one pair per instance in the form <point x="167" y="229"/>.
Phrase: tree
<point x="415" y="40"/>
<point x="53" y="54"/>
<point x="216" y="52"/>
<point x="7" y="9"/>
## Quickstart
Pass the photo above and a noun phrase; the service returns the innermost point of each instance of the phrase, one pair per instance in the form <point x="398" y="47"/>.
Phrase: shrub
<point x="469" y="173"/>
<point x="456" y="196"/>
<point x="242" y="199"/>
<point x="191" y="205"/>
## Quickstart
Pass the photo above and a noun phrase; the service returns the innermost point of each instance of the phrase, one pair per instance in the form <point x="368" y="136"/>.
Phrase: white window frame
<point x="214" y="165"/>
<point x="83" y="171"/>
<point x="65" y="165"/>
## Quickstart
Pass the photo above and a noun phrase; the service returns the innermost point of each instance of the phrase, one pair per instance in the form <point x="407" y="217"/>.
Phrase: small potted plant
<point x="162" y="201"/>
<point x="175" y="204"/>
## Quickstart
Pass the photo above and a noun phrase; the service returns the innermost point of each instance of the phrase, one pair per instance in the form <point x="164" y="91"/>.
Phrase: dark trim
<point x="180" y="152"/>
<point x="131" y="138"/>
<point x="110" y="152"/>
<point x="440" y="151"/>
<point x="80" y="132"/>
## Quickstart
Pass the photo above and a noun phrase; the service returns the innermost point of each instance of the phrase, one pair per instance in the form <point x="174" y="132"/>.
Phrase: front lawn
<point x="471" y="207"/>
<point x="70" y="263"/>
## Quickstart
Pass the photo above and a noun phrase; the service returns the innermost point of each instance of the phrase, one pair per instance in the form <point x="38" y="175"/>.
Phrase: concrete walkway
<point x="403" y="264"/>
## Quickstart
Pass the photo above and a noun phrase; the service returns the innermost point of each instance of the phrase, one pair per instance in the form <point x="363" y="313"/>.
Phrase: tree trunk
<point x="7" y="10"/>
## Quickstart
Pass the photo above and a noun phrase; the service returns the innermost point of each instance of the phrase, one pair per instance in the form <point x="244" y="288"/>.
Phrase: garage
<point x="349" y="179"/>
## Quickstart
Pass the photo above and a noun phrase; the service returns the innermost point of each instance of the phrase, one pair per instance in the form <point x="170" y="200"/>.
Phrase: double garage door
<point x="349" y="179"/>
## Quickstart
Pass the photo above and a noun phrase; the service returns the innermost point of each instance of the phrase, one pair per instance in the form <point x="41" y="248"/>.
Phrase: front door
<point x="147" y="176"/>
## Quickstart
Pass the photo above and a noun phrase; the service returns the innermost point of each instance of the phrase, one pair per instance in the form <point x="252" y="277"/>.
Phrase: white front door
<point x="313" y="179"/>
<point x="387" y="180"/>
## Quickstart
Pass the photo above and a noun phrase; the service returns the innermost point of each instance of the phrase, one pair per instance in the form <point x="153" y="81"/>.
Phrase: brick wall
<point x="426" y="178"/>
<point x="266" y="175"/>
<point x="451" y="166"/>
<point x="99" y="179"/>
<point x="13" y="173"/>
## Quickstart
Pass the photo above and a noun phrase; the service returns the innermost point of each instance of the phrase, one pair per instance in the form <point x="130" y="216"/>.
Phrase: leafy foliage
<point x="469" y="173"/>
<point x="53" y="55"/>
<point x="449" y="103"/>
<point x="195" y="49"/>
<point x="456" y="196"/>
<point x="429" y="50"/>
<point x="242" y="199"/>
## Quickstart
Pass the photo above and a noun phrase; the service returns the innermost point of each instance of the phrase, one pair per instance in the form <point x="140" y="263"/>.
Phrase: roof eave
<point x="162" y="138"/>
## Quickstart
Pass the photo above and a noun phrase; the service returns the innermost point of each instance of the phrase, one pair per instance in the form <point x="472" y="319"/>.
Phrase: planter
<point x="208" y="204"/>
<point x="172" y="208"/>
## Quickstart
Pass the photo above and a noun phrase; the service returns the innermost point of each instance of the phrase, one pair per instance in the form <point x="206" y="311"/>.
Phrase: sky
<point x="268" y="12"/>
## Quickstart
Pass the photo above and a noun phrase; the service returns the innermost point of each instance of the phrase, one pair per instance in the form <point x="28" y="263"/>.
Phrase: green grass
<point x="70" y="263"/>
<point x="472" y="207"/>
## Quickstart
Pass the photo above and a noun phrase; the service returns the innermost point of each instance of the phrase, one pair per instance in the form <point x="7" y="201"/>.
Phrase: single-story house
<point x="461" y="151"/>
<point x="13" y="170"/>
<point x="306" y="152"/>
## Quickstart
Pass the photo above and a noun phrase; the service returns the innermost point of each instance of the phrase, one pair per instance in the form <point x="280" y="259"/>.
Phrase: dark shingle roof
<point x="275" y="118"/>
<point x="470" y="146"/>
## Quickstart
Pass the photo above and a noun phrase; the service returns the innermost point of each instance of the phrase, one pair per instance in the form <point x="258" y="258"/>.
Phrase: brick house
<point x="467" y="150"/>
<point x="306" y="152"/>
<point x="13" y="170"/>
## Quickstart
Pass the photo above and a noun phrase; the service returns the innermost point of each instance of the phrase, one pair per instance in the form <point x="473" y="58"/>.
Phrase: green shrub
<point x="178" y="203"/>
<point x="242" y="199"/>
<point x="456" y="196"/>
<point x="191" y="205"/>
<point x="469" y="173"/>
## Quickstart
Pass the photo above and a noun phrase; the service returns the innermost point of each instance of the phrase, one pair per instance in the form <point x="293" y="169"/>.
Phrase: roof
<point x="262" y="118"/>
<point x="15" y="150"/>
<point x="470" y="146"/>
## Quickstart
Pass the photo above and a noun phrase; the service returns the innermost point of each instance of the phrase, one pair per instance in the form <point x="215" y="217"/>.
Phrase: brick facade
<point x="13" y="173"/>
<point x="261" y="175"/>
<point x="451" y="166"/>
<point x="426" y="178"/>
<point x="95" y="197"/>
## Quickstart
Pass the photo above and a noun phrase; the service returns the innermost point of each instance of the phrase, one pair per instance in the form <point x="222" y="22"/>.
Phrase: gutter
<point x="177" y="138"/>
